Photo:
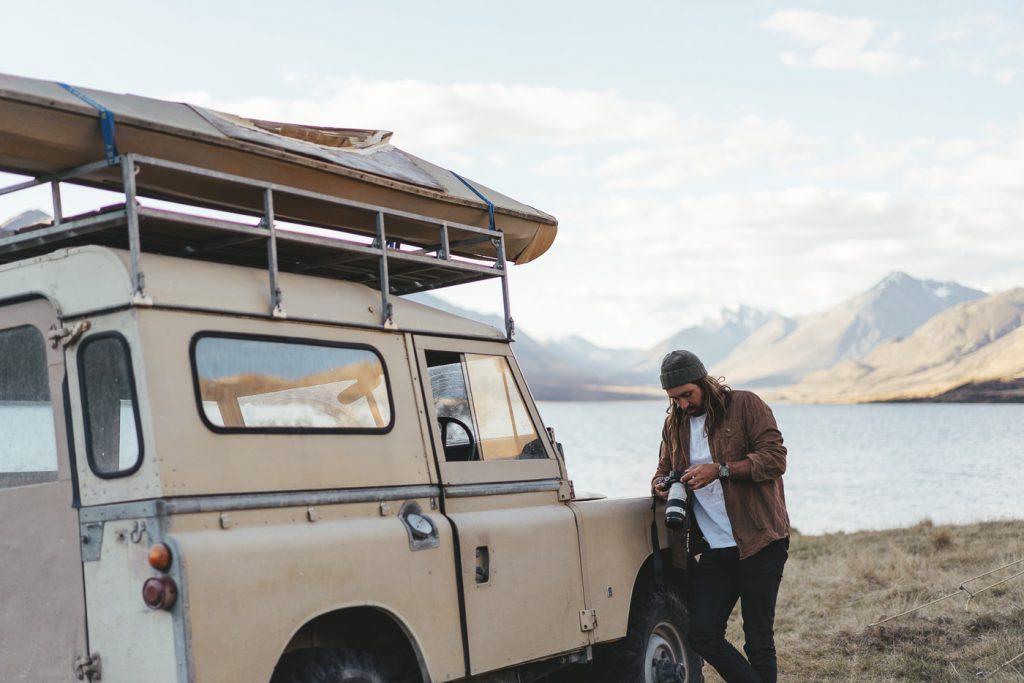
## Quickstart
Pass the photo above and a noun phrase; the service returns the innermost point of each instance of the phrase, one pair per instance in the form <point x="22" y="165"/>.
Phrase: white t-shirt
<point x="708" y="502"/>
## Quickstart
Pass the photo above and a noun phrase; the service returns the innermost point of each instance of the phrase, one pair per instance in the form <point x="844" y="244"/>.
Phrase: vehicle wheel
<point x="334" y="665"/>
<point x="655" y="649"/>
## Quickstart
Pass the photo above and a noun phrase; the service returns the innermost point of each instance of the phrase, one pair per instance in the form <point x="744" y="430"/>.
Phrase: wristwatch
<point x="723" y="471"/>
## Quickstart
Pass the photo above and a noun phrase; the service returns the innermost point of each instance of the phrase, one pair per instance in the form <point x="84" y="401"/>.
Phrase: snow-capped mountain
<point x="25" y="219"/>
<point x="712" y="340"/>
<point x="563" y="369"/>
<point x="785" y="350"/>
<point x="975" y="344"/>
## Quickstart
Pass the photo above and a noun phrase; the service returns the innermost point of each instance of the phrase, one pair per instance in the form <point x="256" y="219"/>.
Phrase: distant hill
<point x="903" y="339"/>
<point x="566" y="369"/>
<point x="713" y="340"/>
<point x="973" y="351"/>
<point x="25" y="219"/>
<point x="785" y="350"/>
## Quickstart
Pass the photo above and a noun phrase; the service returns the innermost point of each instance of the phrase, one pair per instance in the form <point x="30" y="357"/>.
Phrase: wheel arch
<point x="646" y="578"/>
<point x="370" y="628"/>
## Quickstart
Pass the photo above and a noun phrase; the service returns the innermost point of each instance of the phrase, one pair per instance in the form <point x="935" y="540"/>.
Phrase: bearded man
<point x="730" y="450"/>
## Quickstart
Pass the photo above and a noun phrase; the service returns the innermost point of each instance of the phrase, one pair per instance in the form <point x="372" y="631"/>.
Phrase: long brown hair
<point x="715" y="395"/>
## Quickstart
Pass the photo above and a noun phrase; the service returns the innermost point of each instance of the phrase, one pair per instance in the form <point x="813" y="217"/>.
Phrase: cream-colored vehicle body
<point x="147" y="424"/>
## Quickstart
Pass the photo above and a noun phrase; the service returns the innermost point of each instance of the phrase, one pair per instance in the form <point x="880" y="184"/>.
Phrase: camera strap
<point x="656" y="560"/>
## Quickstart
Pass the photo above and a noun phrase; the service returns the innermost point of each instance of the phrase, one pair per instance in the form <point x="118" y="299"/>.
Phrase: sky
<point x="698" y="155"/>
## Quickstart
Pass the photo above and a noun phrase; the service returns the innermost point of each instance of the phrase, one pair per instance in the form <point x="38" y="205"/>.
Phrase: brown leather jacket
<point x="756" y="507"/>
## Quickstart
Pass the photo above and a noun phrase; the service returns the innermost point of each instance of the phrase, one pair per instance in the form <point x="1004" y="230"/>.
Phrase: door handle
<point x="483" y="564"/>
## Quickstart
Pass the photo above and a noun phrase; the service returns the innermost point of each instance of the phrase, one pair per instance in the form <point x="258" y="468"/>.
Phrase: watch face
<point x="723" y="471"/>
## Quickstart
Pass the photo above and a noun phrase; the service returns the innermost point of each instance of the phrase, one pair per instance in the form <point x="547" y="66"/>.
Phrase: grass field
<point x="836" y="585"/>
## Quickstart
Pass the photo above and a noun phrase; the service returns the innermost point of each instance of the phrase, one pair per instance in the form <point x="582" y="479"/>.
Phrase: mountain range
<point x="979" y="341"/>
<point x="902" y="339"/>
<point x="785" y="350"/>
<point x="25" y="219"/>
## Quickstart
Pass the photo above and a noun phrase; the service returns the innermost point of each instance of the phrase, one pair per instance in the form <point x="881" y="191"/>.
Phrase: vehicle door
<point x="42" y="621"/>
<point x="504" y="490"/>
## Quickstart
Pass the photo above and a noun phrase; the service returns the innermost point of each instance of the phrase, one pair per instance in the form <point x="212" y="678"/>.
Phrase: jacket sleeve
<point x="664" y="459"/>
<point x="768" y="455"/>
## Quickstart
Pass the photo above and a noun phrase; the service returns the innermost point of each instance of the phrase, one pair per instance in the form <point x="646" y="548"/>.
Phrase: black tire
<point x="334" y="665"/>
<point x="658" y="624"/>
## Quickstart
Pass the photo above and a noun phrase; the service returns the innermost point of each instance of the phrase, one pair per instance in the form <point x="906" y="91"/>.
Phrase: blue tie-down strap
<point x="106" y="122"/>
<point x="488" y="202"/>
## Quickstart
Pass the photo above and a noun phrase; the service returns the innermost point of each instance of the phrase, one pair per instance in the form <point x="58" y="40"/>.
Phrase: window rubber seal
<point x="84" y="390"/>
<point x="287" y="339"/>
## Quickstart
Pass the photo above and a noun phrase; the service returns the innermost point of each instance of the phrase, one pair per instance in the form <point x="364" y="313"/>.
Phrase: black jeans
<point x="719" y="580"/>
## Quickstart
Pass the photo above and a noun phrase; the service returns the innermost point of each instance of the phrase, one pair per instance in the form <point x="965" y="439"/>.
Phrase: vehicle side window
<point x="480" y="410"/>
<point x="28" y="446"/>
<point x="248" y="383"/>
<point x="110" y="406"/>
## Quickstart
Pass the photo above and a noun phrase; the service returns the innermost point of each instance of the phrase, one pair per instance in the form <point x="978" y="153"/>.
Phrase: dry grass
<point x="838" y="584"/>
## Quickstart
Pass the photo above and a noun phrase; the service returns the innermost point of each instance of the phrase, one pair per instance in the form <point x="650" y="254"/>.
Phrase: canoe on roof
<point x="46" y="128"/>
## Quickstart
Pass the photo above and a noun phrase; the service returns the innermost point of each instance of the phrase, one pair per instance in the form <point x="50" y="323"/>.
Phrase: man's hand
<point x="699" y="476"/>
<point x="661" y="488"/>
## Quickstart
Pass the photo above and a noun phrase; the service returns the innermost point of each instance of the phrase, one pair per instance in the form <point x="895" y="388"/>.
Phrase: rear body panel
<point x="41" y="579"/>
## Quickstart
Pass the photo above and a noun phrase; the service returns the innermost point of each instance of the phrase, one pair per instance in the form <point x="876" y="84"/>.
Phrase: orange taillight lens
<point x="160" y="557"/>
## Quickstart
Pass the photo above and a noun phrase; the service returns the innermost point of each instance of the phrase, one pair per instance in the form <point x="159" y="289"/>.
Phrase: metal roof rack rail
<point x="355" y="246"/>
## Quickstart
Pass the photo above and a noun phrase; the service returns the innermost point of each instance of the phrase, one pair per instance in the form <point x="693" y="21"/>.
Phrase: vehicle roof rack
<point x="360" y="251"/>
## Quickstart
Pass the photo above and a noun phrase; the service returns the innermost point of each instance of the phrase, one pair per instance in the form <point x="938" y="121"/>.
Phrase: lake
<point x="850" y="467"/>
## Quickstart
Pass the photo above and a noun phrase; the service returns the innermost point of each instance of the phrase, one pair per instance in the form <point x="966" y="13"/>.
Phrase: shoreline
<point x="926" y="521"/>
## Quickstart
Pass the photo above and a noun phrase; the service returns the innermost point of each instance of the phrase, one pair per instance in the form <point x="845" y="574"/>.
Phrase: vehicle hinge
<point x="88" y="667"/>
<point x="92" y="541"/>
<point x="67" y="335"/>
<point x="588" y="619"/>
<point x="566" y="490"/>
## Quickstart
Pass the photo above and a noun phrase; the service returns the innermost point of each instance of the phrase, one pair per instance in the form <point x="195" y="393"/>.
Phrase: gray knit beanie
<point x="681" y="367"/>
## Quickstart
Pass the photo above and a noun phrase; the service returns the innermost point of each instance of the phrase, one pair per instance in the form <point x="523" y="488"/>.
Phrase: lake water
<point x="849" y="468"/>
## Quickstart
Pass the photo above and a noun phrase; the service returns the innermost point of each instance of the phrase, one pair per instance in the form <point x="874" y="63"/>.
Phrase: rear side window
<point x="28" y="446"/>
<point x="110" y="406"/>
<point x="269" y="384"/>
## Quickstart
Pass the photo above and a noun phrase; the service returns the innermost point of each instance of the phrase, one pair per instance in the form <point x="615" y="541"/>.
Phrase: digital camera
<point x="675" y="510"/>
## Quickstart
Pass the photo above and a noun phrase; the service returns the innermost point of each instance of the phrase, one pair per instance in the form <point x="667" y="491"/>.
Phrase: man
<point x="731" y="452"/>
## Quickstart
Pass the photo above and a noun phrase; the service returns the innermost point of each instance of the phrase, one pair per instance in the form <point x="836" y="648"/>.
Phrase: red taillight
<point x="160" y="557"/>
<point x="159" y="592"/>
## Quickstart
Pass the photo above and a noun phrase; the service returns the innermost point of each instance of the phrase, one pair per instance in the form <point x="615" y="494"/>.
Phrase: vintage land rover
<point x="231" y="451"/>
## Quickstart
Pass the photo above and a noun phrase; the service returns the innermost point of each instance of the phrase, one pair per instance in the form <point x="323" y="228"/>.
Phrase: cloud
<point x="842" y="43"/>
<point x="984" y="46"/>
<point x="666" y="216"/>
<point x="995" y="171"/>
<point x="701" y="149"/>
<point x="572" y="133"/>
<point x="686" y="256"/>
<point x="433" y="116"/>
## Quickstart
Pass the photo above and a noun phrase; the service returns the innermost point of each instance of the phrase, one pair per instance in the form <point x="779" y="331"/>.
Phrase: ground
<point x="837" y="585"/>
